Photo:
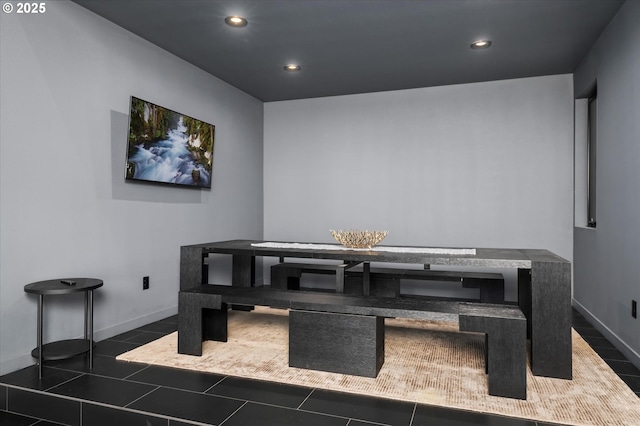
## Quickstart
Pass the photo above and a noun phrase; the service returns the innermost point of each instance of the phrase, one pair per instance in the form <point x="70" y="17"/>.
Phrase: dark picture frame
<point x="167" y="147"/>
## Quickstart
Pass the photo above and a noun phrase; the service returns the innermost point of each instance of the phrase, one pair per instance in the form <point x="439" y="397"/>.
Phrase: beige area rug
<point x="428" y="363"/>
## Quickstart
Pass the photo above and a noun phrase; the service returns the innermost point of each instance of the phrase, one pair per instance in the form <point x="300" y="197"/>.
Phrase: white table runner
<point x="420" y="250"/>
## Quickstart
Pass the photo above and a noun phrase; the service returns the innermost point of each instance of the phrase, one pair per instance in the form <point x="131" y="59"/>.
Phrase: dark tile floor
<point x="120" y="393"/>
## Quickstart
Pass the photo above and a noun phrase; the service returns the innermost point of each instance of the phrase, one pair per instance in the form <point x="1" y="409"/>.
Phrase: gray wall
<point x="607" y="267"/>
<point x="474" y="165"/>
<point x="66" y="79"/>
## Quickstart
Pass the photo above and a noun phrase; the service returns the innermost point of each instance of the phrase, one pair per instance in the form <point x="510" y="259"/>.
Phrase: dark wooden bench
<point x="340" y="325"/>
<point x="385" y="282"/>
<point x="505" y="329"/>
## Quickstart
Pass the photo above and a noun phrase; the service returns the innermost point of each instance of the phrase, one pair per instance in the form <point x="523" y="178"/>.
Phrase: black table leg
<point x="366" y="281"/>
<point x="40" y="313"/>
<point x="89" y="296"/>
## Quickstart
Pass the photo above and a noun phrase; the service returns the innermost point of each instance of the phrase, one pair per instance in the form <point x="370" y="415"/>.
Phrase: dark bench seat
<point x="203" y="316"/>
<point x="340" y="325"/>
<point x="441" y="310"/>
<point x="385" y="282"/>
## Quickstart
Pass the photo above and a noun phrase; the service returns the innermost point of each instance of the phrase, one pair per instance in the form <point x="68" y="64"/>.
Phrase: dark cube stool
<point x="505" y="329"/>
<point x="491" y="289"/>
<point x="286" y="276"/>
<point x="337" y="343"/>
<point x="380" y="286"/>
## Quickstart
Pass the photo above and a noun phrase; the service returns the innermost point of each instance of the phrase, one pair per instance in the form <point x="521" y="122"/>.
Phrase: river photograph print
<point x="168" y="147"/>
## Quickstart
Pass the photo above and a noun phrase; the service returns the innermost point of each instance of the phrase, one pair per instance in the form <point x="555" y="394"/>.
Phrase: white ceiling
<point x="359" y="46"/>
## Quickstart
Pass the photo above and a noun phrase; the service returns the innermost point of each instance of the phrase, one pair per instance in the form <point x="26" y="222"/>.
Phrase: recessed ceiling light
<point x="481" y="44"/>
<point x="236" y="21"/>
<point x="292" y="67"/>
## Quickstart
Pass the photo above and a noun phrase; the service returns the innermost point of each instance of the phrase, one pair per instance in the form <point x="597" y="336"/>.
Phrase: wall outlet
<point x="145" y="283"/>
<point x="634" y="309"/>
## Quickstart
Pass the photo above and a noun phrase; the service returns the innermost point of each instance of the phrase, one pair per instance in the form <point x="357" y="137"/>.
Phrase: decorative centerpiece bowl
<point x="354" y="238"/>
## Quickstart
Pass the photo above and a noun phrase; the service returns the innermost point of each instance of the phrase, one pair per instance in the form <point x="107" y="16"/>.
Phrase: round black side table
<point x="65" y="348"/>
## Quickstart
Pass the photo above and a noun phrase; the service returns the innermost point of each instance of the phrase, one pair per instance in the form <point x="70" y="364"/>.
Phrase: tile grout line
<point x="122" y="341"/>
<point x="48" y="390"/>
<point x="230" y="415"/>
<point x="142" y="396"/>
<point x="413" y="414"/>
<point x="367" y="422"/>
<point x="213" y="386"/>
<point x="337" y="416"/>
<point x="35" y="419"/>
<point x="86" y="401"/>
<point x="301" y="410"/>
<point x="83" y="373"/>
<point x="305" y="400"/>
<point x="133" y="374"/>
<point x="233" y="398"/>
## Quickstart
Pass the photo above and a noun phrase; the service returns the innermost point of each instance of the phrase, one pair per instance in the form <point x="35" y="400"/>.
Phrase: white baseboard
<point x="129" y="325"/>
<point x="10" y="365"/>
<point x="627" y="351"/>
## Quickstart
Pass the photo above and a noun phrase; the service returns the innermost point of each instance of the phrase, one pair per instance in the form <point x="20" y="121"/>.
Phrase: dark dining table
<point x="544" y="281"/>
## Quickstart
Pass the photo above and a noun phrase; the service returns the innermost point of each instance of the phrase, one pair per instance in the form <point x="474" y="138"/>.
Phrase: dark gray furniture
<point x="65" y="348"/>
<point x="544" y="285"/>
<point x="328" y="331"/>
<point x="201" y="317"/>
<point x="202" y="307"/>
<point x="385" y="282"/>
<point x="345" y="333"/>
<point x="338" y="343"/>
<point x="505" y="329"/>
